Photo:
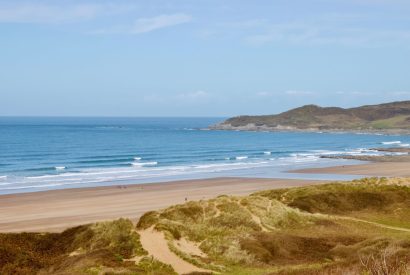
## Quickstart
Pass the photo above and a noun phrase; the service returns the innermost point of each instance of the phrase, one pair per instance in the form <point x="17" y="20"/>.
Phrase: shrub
<point x="386" y="262"/>
<point x="147" y="220"/>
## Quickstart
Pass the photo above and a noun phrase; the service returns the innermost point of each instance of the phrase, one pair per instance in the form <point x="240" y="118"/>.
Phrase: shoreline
<point x="254" y="128"/>
<point x="56" y="210"/>
<point x="371" y="169"/>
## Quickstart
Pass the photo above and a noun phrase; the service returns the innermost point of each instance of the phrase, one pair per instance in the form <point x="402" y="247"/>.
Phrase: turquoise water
<point x="52" y="153"/>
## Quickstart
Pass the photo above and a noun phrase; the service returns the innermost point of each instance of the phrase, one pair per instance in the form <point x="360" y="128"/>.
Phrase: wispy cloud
<point x="319" y="34"/>
<point x="334" y="28"/>
<point x="46" y="13"/>
<point x="194" y="95"/>
<point x="297" y="92"/>
<point x="158" y="22"/>
<point x="288" y="93"/>
<point x="356" y="93"/>
<point x="145" y="25"/>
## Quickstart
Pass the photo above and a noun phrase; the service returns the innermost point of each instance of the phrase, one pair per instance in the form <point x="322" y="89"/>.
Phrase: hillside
<point x="338" y="228"/>
<point x="389" y="117"/>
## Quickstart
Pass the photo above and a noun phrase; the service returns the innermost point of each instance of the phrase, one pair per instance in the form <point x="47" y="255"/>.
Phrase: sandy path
<point x="60" y="209"/>
<point x="157" y="246"/>
<point x="189" y="247"/>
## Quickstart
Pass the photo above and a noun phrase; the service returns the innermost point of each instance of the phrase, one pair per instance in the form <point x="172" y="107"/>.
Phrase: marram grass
<point x="336" y="228"/>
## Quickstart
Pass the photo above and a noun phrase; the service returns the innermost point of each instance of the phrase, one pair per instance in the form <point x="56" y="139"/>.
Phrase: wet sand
<point x="56" y="210"/>
<point x="381" y="169"/>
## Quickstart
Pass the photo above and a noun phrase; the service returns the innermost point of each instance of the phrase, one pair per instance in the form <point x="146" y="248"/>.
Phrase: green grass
<point x="394" y="122"/>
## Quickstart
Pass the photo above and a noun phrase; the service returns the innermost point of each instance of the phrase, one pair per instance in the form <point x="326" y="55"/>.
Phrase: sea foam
<point x="241" y="157"/>
<point x="151" y="163"/>
<point x="391" y="142"/>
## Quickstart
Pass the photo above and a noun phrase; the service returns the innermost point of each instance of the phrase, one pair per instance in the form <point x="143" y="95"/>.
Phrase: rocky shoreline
<point x="404" y="157"/>
<point x="280" y="128"/>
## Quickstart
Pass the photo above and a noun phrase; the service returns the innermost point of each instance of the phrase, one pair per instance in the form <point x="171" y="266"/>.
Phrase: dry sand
<point x="381" y="169"/>
<point x="157" y="246"/>
<point x="56" y="210"/>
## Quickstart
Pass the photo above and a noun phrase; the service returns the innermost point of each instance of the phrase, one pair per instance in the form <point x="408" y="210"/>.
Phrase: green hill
<point x="393" y="116"/>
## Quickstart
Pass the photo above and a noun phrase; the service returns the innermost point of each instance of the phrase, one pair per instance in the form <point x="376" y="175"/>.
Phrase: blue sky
<point x="200" y="58"/>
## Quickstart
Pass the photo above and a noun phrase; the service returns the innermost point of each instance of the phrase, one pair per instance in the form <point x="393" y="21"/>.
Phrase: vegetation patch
<point x="104" y="244"/>
<point x="343" y="198"/>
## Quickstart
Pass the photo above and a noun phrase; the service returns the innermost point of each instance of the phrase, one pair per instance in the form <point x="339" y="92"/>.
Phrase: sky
<point x="200" y="58"/>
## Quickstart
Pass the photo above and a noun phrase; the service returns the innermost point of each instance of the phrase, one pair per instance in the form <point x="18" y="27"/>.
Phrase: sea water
<point x="54" y="153"/>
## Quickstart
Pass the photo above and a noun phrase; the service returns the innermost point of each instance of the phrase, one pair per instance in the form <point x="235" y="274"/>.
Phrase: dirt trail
<point x="155" y="243"/>
<point x="257" y="220"/>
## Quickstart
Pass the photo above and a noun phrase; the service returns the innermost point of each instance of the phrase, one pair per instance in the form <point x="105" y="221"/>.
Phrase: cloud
<point x="295" y="92"/>
<point x="289" y="92"/>
<point x="143" y="25"/>
<point x="347" y="29"/>
<point x="194" y="95"/>
<point x="264" y="94"/>
<point x="356" y="93"/>
<point x="45" y="13"/>
<point x="325" y="33"/>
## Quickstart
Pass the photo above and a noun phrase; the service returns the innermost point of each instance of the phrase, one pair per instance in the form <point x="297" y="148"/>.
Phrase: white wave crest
<point x="137" y="158"/>
<point x="391" y="142"/>
<point x="151" y="163"/>
<point x="404" y="144"/>
<point x="267" y="153"/>
<point x="241" y="157"/>
<point x="59" y="167"/>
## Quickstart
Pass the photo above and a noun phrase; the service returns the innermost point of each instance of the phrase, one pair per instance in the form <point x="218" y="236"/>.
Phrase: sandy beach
<point x="56" y="210"/>
<point x="380" y="169"/>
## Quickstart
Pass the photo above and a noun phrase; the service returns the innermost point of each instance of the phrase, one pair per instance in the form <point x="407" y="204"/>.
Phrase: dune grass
<point x="86" y="249"/>
<point x="291" y="227"/>
<point x="336" y="228"/>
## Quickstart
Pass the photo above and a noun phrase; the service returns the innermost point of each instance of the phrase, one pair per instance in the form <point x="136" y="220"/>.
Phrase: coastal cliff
<point x="388" y="117"/>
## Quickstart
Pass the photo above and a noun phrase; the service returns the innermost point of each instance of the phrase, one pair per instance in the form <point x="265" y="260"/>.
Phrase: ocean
<point x="54" y="153"/>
